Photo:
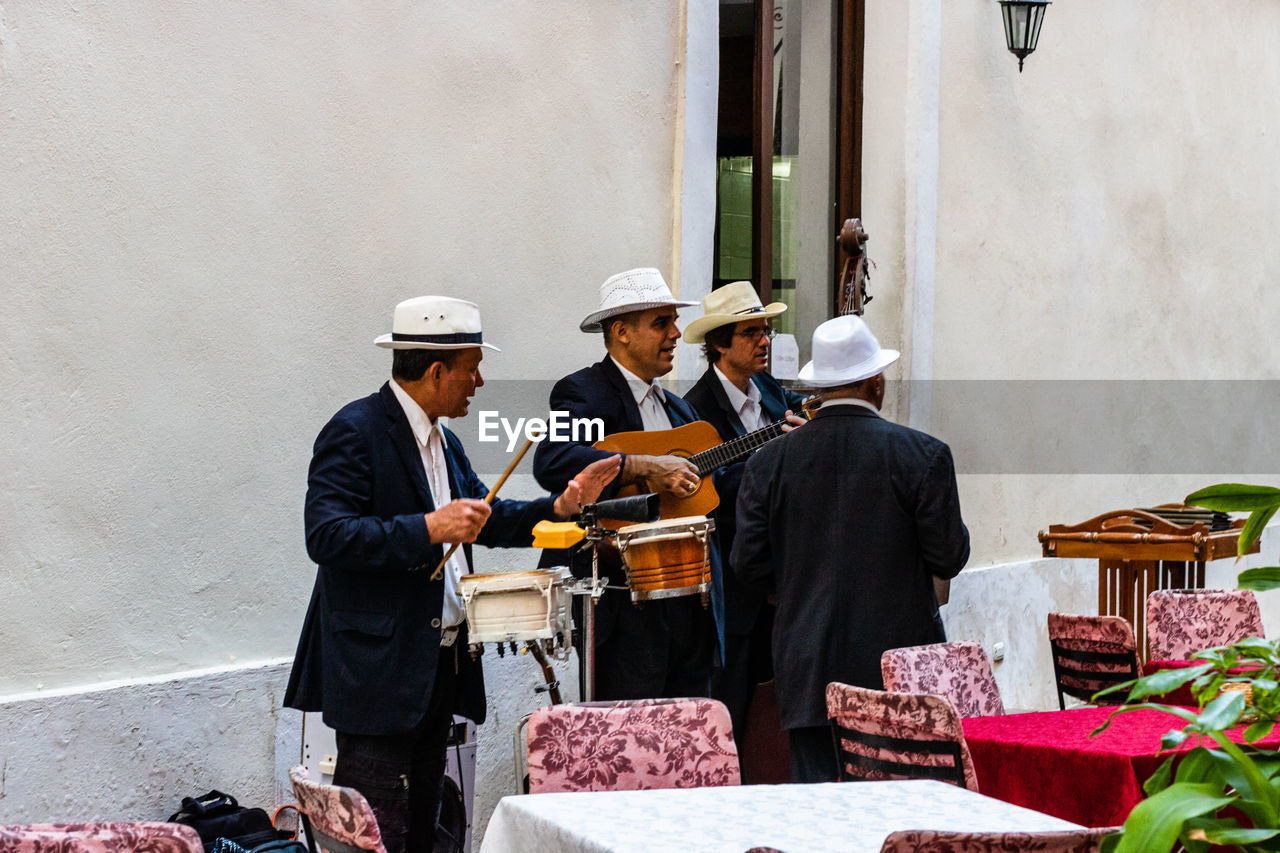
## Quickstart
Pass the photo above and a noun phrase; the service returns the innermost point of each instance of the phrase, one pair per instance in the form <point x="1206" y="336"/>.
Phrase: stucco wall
<point x="1099" y="216"/>
<point x="209" y="212"/>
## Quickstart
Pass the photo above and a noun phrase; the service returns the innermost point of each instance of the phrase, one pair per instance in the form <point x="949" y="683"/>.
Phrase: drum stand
<point x="595" y="535"/>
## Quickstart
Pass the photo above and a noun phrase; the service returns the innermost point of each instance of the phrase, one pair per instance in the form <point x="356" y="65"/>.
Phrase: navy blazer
<point x="742" y="602"/>
<point x="849" y="519"/>
<point x="601" y="391"/>
<point x="370" y="642"/>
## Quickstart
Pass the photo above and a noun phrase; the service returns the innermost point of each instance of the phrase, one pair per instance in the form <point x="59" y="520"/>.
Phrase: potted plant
<point x="1220" y="792"/>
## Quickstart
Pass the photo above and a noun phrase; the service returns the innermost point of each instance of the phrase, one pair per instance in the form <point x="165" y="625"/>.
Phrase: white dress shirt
<point x="649" y="397"/>
<point x="430" y="439"/>
<point x="746" y="405"/>
<point x="850" y="401"/>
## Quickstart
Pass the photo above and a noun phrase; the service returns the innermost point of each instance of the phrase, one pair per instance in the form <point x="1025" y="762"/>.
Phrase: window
<point x="804" y="122"/>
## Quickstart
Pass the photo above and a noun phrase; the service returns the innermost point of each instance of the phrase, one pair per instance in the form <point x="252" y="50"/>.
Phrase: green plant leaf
<point x="1195" y="766"/>
<point x="1227" y="771"/>
<point x="1176" y="710"/>
<point x="1234" y="497"/>
<point x="1159" y="780"/>
<point x="1166" y="680"/>
<point x="1253" y="528"/>
<point x="1239" y="836"/>
<point x="1217" y="654"/>
<point x="1155" y="823"/>
<point x="1250" y="648"/>
<point x="1221" y="713"/>
<point x="1260" y="579"/>
<point x="1268" y="763"/>
<point x="1255" y="785"/>
<point x="1259" y="730"/>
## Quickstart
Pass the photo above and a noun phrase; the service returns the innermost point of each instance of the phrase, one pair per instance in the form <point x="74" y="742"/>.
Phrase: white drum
<point x="511" y="607"/>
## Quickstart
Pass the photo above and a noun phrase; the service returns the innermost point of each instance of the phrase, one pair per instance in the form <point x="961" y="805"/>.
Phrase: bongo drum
<point x="669" y="558"/>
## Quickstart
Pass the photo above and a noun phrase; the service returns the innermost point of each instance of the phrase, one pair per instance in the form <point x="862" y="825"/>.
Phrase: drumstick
<point x="493" y="493"/>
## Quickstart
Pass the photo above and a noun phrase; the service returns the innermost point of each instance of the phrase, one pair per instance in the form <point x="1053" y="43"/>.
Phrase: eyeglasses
<point x="765" y="331"/>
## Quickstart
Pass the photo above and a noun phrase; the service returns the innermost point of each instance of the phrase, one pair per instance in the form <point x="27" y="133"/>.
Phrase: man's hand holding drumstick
<point x="460" y="521"/>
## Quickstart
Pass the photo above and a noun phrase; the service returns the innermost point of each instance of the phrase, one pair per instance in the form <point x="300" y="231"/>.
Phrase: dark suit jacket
<point x="849" y="519"/>
<point x="601" y="391"/>
<point x="742" y="602"/>
<point x="369" y="645"/>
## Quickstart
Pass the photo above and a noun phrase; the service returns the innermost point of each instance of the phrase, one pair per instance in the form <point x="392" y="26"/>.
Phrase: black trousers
<point x="813" y="754"/>
<point x="748" y="661"/>
<point x="400" y="774"/>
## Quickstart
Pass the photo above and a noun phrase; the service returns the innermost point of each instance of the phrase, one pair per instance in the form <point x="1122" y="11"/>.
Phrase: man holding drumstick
<point x="382" y="652"/>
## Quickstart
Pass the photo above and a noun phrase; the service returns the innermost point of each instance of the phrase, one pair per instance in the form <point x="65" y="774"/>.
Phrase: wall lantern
<point x="1022" y="20"/>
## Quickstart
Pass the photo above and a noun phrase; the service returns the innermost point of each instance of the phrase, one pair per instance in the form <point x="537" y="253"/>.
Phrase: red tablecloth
<point x="1046" y="761"/>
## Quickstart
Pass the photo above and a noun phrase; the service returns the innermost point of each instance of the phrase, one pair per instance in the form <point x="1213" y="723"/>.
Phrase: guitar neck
<point x="735" y="448"/>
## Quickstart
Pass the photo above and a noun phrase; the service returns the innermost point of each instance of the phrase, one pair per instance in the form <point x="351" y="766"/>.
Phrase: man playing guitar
<point x="664" y="648"/>
<point x="737" y="395"/>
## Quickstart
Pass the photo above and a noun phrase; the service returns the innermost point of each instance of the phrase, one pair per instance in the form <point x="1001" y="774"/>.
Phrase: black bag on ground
<point x="218" y="815"/>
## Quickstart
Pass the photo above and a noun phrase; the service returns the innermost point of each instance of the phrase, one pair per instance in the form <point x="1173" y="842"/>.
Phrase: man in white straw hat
<point x="666" y="647"/>
<point x="737" y="395"/>
<point x="848" y="520"/>
<point x="383" y="652"/>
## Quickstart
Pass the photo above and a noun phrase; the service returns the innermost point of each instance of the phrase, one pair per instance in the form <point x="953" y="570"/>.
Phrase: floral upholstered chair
<point x="1091" y="653"/>
<point x="1183" y="621"/>
<point x="944" y="841"/>
<point x="881" y="734"/>
<point x="631" y="745"/>
<point x="958" y="671"/>
<point x="338" y="819"/>
<point x="102" y="837"/>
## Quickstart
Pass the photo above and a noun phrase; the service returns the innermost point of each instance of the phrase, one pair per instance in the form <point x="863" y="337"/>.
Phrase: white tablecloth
<point x="838" y="816"/>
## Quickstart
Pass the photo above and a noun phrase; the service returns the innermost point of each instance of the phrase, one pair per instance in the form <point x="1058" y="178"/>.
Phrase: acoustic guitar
<point x="700" y="444"/>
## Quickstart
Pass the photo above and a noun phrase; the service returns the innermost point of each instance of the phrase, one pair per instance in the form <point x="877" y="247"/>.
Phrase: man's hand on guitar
<point x="673" y="474"/>
<point x="586" y="487"/>
<point x="793" y="421"/>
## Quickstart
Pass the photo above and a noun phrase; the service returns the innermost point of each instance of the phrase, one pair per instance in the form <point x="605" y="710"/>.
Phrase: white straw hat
<point x="845" y="351"/>
<point x="435" y="322"/>
<point x="633" y="290"/>
<point x="732" y="303"/>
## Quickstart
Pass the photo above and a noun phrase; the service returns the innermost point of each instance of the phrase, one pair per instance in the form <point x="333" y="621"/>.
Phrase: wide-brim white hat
<point x="732" y="303"/>
<point x="435" y="322"/>
<point x="633" y="290"/>
<point x="845" y="351"/>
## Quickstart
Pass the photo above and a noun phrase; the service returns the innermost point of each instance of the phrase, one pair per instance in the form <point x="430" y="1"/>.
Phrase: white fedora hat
<point x="435" y="322"/>
<point x="732" y="303"/>
<point x="633" y="290"/>
<point x="845" y="351"/>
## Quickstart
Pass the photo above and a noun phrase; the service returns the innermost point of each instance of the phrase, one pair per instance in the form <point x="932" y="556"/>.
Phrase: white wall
<point x="209" y="212"/>
<point x="1099" y="216"/>
<point x="1102" y="215"/>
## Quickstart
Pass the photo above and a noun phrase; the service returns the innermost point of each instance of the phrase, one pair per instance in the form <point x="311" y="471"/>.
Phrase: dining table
<point x="1051" y="762"/>
<point x="820" y="818"/>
